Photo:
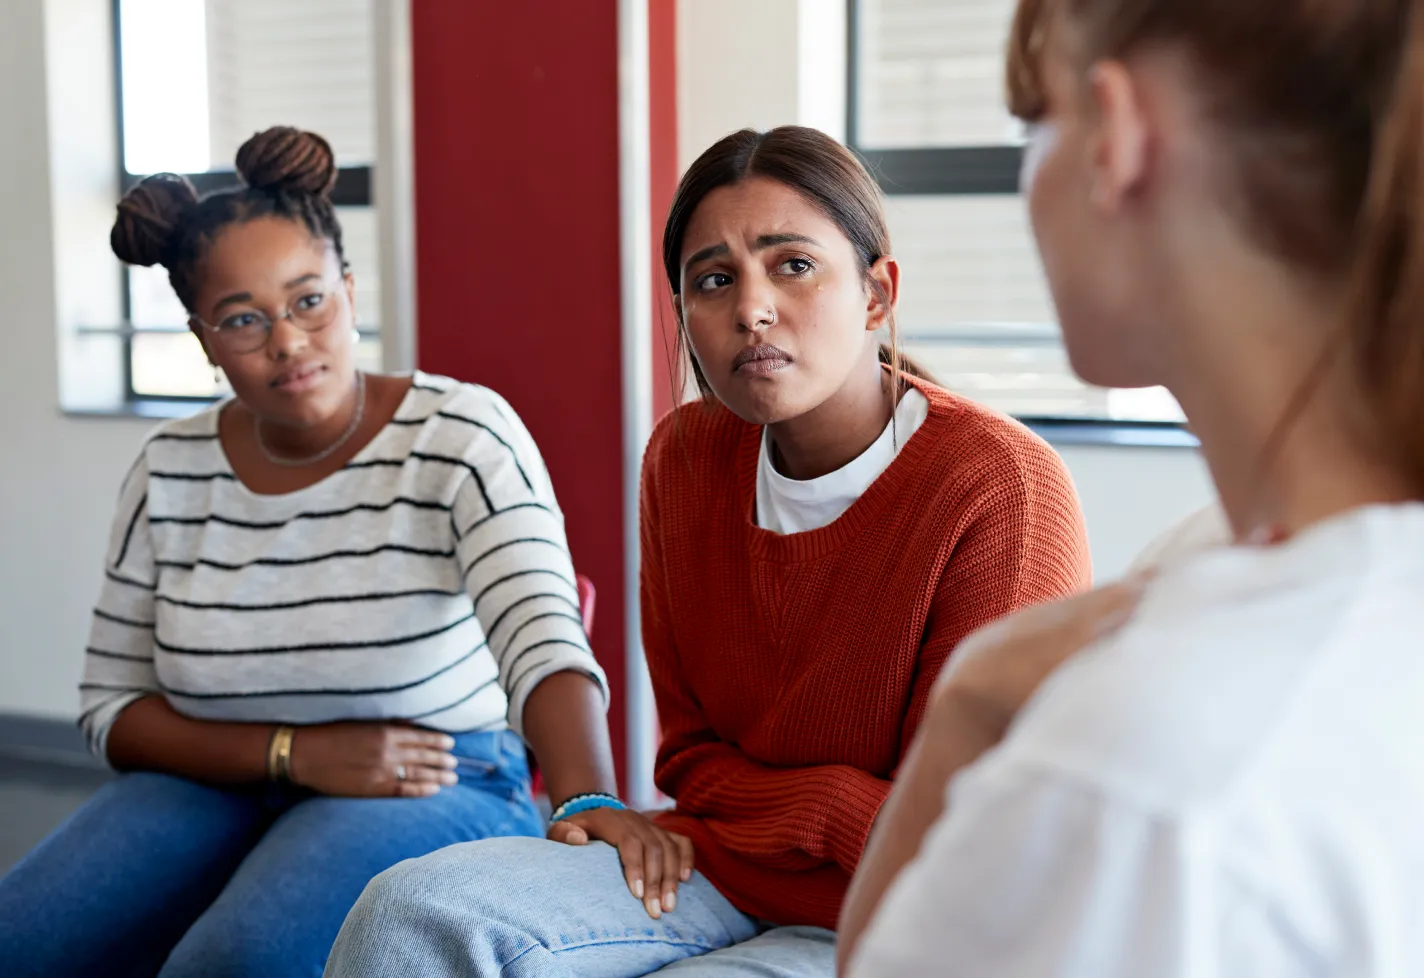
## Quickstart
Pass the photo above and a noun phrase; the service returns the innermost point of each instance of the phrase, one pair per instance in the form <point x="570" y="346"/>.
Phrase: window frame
<point x="946" y="171"/>
<point x="354" y="188"/>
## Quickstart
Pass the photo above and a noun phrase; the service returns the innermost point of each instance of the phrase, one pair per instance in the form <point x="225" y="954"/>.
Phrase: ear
<point x="886" y="273"/>
<point x="679" y="311"/>
<point x="349" y="281"/>
<point x="1119" y="148"/>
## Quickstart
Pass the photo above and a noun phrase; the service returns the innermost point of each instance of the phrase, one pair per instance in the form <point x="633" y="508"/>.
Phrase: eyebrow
<point x="232" y="300"/>
<point x="762" y="243"/>
<point x="240" y="297"/>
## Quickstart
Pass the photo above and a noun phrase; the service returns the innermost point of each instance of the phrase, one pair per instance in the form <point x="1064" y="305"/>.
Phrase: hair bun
<point x="150" y="215"/>
<point x="287" y="159"/>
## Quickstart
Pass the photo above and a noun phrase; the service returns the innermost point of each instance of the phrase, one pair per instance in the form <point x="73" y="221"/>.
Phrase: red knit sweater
<point x="791" y="671"/>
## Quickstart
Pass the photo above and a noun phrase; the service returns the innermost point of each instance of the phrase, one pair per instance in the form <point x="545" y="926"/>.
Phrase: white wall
<point x="762" y="63"/>
<point x="60" y="474"/>
<point x="1130" y="495"/>
<point x="758" y="63"/>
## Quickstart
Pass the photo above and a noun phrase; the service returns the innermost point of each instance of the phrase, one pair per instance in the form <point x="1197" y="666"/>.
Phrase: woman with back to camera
<point x="332" y="604"/>
<point x="818" y="533"/>
<point x="1229" y="200"/>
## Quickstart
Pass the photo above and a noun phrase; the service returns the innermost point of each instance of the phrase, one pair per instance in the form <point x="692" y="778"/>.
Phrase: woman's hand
<point x="372" y="760"/>
<point x="654" y="859"/>
<point x="995" y="671"/>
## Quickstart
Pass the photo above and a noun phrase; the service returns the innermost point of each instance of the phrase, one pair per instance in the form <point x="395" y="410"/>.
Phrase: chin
<point x="761" y="406"/>
<point x="1105" y="357"/>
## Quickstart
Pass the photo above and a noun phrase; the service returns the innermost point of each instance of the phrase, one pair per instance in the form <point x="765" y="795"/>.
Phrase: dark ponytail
<point x="285" y="173"/>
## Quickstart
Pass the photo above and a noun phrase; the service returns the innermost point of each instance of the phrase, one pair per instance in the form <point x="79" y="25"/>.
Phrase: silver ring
<point x="400" y="772"/>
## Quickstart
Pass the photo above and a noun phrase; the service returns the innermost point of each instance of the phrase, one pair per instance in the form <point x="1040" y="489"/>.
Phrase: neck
<point x="296" y="442"/>
<point x="1270" y="391"/>
<point x="839" y="430"/>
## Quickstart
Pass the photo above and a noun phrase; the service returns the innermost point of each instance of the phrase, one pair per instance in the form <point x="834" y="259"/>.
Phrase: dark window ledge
<point x="1112" y="434"/>
<point x="159" y="409"/>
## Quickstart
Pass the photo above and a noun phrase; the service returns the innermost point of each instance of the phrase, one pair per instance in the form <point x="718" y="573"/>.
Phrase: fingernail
<point x="686" y="875"/>
<point x="655" y="909"/>
<point x="448" y="743"/>
<point x="450" y="760"/>
<point x="449" y="777"/>
<point x="670" y="901"/>
<point x="638" y="889"/>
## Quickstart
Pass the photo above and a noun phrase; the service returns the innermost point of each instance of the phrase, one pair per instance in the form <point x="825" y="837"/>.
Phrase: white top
<point x="428" y="580"/>
<point x="1230" y="787"/>
<point x="789" y="506"/>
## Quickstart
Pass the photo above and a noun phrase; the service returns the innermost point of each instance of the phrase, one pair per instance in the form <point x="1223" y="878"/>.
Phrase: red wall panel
<point x="517" y="243"/>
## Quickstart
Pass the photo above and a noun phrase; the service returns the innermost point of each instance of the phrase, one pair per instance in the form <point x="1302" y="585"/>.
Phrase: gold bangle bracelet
<point x="279" y="754"/>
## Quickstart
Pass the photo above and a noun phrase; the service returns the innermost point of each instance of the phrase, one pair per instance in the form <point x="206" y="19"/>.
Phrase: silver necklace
<point x="326" y="452"/>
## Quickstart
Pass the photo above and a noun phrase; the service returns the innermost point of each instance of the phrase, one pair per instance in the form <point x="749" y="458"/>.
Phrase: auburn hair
<point x="1321" y="103"/>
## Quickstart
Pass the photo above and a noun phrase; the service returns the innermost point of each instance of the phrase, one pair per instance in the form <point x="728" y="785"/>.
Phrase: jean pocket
<point x="493" y="762"/>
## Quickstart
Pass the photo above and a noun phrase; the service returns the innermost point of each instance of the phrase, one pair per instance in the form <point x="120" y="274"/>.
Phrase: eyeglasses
<point x="247" y="330"/>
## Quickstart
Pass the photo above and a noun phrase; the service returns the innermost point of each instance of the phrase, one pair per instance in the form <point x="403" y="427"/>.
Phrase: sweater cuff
<point x="852" y="806"/>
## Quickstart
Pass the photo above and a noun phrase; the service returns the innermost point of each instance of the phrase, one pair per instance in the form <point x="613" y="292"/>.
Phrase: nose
<point x="756" y="305"/>
<point x="286" y="339"/>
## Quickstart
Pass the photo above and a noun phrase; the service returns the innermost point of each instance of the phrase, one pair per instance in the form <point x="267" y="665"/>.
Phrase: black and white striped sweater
<point x="428" y="580"/>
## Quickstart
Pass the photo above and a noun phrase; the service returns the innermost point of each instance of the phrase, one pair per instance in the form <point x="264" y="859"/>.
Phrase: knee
<point x="412" y="917"/>
<point x="468" y="878"/>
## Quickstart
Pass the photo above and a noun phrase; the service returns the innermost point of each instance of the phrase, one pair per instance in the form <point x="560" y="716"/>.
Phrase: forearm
<point x="150" y="735"/>
<point x="914" y="805"/>
<point x="566" y="726"/>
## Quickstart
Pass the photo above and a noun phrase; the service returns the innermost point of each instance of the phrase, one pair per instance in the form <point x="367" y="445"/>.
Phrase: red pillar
<point x="517" y="244"/>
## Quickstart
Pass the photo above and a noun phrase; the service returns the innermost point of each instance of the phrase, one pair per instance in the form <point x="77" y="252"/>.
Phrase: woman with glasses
<point x="335" y="607"/>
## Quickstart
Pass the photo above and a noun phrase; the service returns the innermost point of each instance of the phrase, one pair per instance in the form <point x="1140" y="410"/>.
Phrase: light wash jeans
<point x="528" y="908"/>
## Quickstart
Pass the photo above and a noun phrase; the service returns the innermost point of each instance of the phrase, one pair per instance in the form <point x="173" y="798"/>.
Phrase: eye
<point x="796" y="267"/>
<point x="309" y="302"/>
<point x="240" y="320"/>
<point x="712" y="281"/>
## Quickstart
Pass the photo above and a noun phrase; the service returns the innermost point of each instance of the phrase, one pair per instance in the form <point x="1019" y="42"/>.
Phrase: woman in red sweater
<point x="818" y="532"/>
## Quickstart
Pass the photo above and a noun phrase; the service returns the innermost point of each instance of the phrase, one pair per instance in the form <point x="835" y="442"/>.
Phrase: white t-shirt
<point x="1230" y="787"/>
<point x="789" y="506"/>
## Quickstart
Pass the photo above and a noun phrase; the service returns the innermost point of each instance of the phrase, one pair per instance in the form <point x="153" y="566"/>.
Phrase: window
<point x="927" y="114"/>
<point x="198" y="77"/>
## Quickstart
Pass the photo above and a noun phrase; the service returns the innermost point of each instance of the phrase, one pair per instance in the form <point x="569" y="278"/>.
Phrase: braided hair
<point x="285" y="173"/>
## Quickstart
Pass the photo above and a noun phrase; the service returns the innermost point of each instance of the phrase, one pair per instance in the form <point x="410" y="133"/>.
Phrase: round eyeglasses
<point x="247" y="330"/>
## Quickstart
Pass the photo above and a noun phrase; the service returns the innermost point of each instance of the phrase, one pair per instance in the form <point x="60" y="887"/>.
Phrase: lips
<point x="761" y="359"/>
<point x="299" y="378"/>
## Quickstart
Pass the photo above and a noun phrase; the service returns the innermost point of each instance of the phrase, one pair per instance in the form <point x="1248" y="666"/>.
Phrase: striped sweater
<point x="428" y="580"/>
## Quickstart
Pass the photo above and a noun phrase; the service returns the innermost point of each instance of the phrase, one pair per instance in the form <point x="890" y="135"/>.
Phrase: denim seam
<point x="704" y="948"/>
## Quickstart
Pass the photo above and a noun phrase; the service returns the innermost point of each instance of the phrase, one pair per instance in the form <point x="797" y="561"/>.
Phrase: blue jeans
<point x="159" y="875"/>
<point x="527" y="908"/>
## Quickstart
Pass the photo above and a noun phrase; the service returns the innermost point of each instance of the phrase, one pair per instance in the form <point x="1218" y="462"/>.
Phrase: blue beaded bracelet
<point x="586" y="803"/>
